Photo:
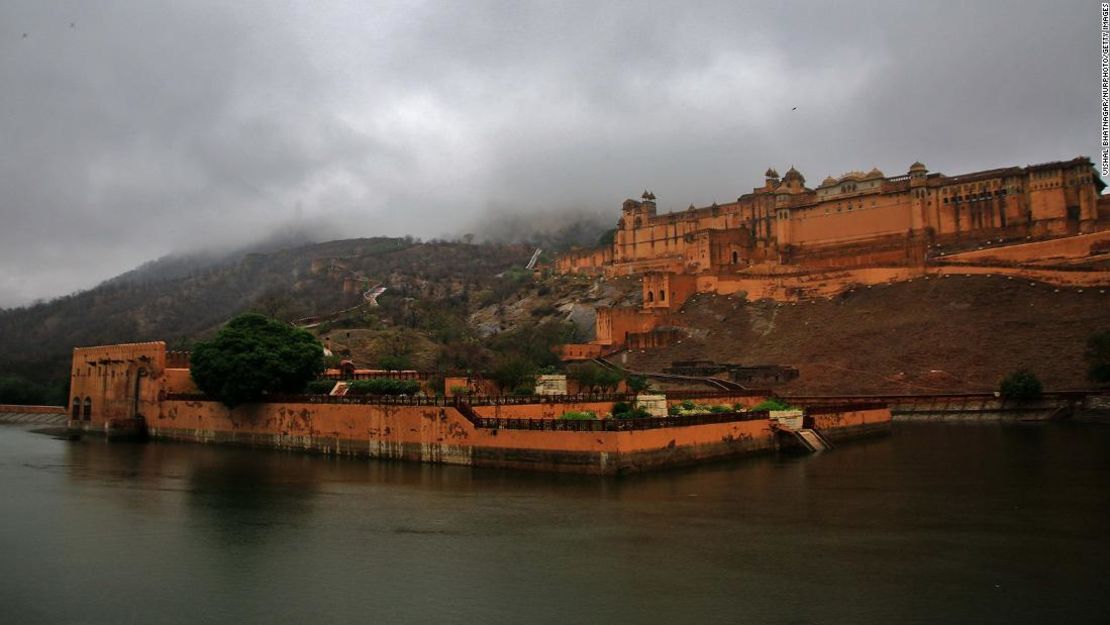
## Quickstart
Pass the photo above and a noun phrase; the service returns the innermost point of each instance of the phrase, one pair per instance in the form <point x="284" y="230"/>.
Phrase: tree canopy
<point x="254" y="355"/>
<point x="1021" y="385"/>
<point x="591" y="376"/>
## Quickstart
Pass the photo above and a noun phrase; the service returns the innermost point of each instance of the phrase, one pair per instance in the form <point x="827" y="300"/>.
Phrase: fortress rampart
<point x="129" y="384"/>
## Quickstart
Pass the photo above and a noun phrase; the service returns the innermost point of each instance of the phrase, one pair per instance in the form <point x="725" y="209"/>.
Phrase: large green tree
<point x="254" y="355"/>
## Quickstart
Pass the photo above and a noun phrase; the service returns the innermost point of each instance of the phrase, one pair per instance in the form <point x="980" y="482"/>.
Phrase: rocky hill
<point x="950" y="334"/>
<point x="181" y="306"/>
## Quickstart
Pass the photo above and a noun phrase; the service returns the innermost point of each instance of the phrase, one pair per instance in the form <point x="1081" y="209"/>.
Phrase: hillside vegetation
<point x="426" y="282"/>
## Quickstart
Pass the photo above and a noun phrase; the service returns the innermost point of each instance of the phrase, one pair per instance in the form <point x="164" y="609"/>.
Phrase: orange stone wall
<point x="584" y="260"/>
<point x="833" y="421"/>
<point x="120" y="381"/>
<point x="664" y="290"/>
<point x="615" y="324"/>
<point x="580" y="351"/>
<point x="1079" y="246"/>
<point x="442" y="435"/>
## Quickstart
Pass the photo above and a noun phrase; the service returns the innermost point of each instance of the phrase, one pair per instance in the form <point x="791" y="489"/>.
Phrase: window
<point x="88" y="408"/>
<point x="651" y="296"/>
<point x="75" y="413"/>
<point x="662" y="295"/>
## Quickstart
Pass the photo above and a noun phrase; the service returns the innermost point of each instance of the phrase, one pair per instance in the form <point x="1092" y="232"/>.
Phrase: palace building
<point x="857" y="218"/>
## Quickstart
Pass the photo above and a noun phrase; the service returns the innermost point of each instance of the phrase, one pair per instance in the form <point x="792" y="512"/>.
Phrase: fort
<point x="124" y="389"/>
<point x="783" y="241"/>
<point x="787" y="242"/>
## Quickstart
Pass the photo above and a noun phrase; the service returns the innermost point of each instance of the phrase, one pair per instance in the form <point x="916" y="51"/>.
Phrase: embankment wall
<point x="441" y="434"/>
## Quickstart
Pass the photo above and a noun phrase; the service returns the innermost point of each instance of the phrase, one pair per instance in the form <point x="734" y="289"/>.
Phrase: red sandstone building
<point x="868" y="215"/>
<point x="786" y="241"/>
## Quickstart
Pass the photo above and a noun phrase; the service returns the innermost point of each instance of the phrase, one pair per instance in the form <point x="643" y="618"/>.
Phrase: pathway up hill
<point x="961" y="333"/>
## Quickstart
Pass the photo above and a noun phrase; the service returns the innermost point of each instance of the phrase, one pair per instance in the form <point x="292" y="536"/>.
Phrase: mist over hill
<point x="181" y="298"/>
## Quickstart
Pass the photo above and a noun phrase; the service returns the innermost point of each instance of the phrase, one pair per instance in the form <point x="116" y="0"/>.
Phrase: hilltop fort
<point x="786" y="241"/>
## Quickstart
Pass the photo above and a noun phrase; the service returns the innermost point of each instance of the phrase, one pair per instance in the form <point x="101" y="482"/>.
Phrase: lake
<point x="951" y="523"/>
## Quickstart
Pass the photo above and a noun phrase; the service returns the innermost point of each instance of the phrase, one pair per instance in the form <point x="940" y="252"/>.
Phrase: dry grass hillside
<point x="952" y="334"/>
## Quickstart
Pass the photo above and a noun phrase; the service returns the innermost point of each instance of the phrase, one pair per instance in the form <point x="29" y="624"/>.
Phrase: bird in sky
<point x="24" y="35"/>
<point x="794" y="109"/>
<point x="73" y="24"/>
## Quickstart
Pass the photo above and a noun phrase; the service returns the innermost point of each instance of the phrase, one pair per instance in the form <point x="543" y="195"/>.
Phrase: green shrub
<point x="1021" y="385"/>
<point x="719" y="409"/>
<point x="584" y="415"/>
<point x="674" y="410"/>
<point x="637" y="383"/>
<point x="772" y="403"/>
<point x="688" y="405"/>
<point x="383" y="386"/>
<point x="621" y="407"/>
<point x="319" y="387"/>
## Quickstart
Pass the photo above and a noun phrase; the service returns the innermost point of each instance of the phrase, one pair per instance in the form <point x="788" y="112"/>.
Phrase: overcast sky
<point x="129" y="130"/>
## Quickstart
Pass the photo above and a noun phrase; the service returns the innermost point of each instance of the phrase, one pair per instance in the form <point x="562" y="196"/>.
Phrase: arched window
<point x="76" y="411"/>
<point x="662" y="295"/>
<point x="651" y="296"/>
<point x="736" y="257"/>
<point x="88" y="408"/>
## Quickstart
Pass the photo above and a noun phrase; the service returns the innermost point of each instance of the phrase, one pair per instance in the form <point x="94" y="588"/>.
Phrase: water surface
<point x="936" y="523"/>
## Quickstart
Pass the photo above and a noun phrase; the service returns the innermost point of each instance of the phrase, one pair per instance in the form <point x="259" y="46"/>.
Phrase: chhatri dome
<point x="794" y="174"/>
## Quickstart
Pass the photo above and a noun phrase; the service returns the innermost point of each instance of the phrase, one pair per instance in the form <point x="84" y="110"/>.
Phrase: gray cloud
<point x="158" y="127"/>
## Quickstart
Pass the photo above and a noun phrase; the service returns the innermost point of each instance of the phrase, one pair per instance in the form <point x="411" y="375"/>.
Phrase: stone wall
<point x="117" y="381"/>
<point x="442" y="435"/>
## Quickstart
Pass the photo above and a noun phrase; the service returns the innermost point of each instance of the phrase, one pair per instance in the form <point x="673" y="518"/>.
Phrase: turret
<point x="919" y="194"/>
<point x="918" y="172"/>
<point x="771" y="178"/>
<point x="794" y="180"/>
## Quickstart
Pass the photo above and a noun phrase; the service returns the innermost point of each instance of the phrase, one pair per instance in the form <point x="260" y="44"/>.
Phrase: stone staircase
<point x="813" y="440"/>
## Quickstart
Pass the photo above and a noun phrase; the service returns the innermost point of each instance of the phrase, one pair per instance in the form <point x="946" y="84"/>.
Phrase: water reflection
<point x="935" y="523"/>
<point x="250" y="498"/>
